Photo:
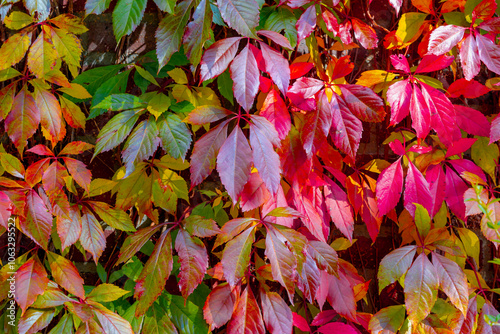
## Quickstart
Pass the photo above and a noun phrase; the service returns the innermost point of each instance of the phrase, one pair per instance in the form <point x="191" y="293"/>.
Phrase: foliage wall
<point x="222" y="181"/>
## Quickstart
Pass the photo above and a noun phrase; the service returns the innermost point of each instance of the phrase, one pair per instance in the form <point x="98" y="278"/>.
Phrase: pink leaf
<point x="397" y="147"/>
<point x="219" y="305"/>
<point x="317" y="125"/>
<point x="205" y="152"/>
<point x="455" y="189"/>
<point x="302" y="90"/>
<point x="266" y="160"/>
<point x="469" y="57"/>
<point x="346" y="128"/>
<point x="396" y="4"/>
<point x="275" y="110"/>
<point x="389" y="187"/>
<point x="245" y="75"/>
<point x="444" y="38"/>
<point x="276" y="38"/>
<point x="277" y="315"/>
<point x="336" y="327"/>
<point x="277" y="67"/>
<point x="468" y="89"/>
<point x="217" y="57"/>
<point x="399" y="97"/>
<point x="436" y="178"/>
<point x="300" y="323"/>
<point x="495" y="129"/>
<point x="465" y="165"/>
<point x="416" y="190"/>
<point x="254" y="193"/>
<point x="489" y="53"/>
<point x="306" y="23"/>
<point x="339" y="208"/>
<point x="363" y="103"/>
<point x="323" y="317"/>
<point x="431" y="63"/>
<point x="339" y="294"/>
<point x="472" y="121"/>
<point x="399" y="62"/>
<point x="365" y="34"/>
<point x="234" y="162"/>
<point x="420" y="113"/>
<point x="331" y="22"/>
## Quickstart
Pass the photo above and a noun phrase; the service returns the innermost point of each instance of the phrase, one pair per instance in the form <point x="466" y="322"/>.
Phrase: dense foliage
<point x="236" y="177"/>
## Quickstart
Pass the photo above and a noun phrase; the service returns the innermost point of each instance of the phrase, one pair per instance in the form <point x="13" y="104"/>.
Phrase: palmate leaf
<point x="153" y="277"/>
<point x="194" y="261"/>
<point x="126" y="16"/>
<point x="241" y="15"/>
<point x="66" y="274"/>
<point x="31" y="281"/>
<point x="170" y="31"/>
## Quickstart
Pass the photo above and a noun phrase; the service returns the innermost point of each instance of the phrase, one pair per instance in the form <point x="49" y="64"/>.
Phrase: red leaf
<point x="206" y="114"/>
<point x="399" y="62"/>
<point x="399" y="96"/>
<point x="23" y="120"/>
<point x="365" y="34"/>
<point x="339" y="294"/>
<point x="30" y="281"/>
<point x="234" y="162"/>
<point x="92" y="237"/>
<point x="331" y="22"/>
<point x="302" y="91"/>
<point x="276" y="112"/>
<point x="442" y="114"/>
<point x="421" y="285"/>
<point x="312" y="209"/>
<point x="219" y="305"/>
<point x="306" y="23"/>
<point x="41" y="149"/>
<point x="484" y="10"/>
<point x="345" y="32"/>
<point x="469" y="57"/>
<point x="66" y="274"/>
<point x="50" y="115"/>
<point x="363" y="103"/>
<point x="389" y="187"/>
<point x="266" y="160"/>
<point x="444" y="38"/>
<point x="300" y="322"/>
<point x="341" y="67"/>
<point x="336" y="327"/>
<point x="205" y="152"/>
<point x="369" y="210"/>
<point x="489" y="53"/>
<point x="436" y="178"/>
<point x="69" y="229"/>
<point x="79" y="172"/>
<point x="277" y="315"/>
<point x="346" y="128"/>
<point x="460" y="146"/>
<point x="420" y="113"/>
<point x="194" y="261"/>
<point x="245" y="75"/>
<point x="317" y="125"/>
<point x="455" y="189"/>
<point x="473" y="122"/>
<point x="236" y="256"/>
<point x="300" y="69"/>
<point x="276" y="38"/>
<point x="465" y="165"/>
<point x="323" y="317"/>
<point x="416" y="190"/>
<point x="217" y="57"/>
<point x="277" y="67"/>
<point x="38" y="221"/>
<point x="339" y="208"/>
<point x="246" y="317"/>
<point x="254" y="193"/>
<point x="468" y="89"/>
<point x="431" y="63"/>
<point x="75" y="148"/>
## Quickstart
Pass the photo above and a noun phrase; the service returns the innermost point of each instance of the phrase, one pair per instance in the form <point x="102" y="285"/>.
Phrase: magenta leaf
<point x="399" y="62"/>
<point x="363" y="103"/>
<point x="339" y="208"/>
<point x="346" y="128"/>
<point x="389" y="187"/>
<point x="399" y="97"/>
<point x="431" y="63"/>
<point x="489" y="53"/>
<point x="416" y="190"/>
<point x="455" y="189"/>
<point x="473" y="121"/>
<point x="217" y="57"/>
<point x="436" y="179"/>
<point x="444" y="38"/>
<point x="317" y="125"/>
<point x="420" y="113"/>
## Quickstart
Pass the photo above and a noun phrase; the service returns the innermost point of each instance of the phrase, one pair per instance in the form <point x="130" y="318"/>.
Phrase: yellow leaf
<point x="106" y="293"/>
<point x="70" y="23"/>
<point x="100" y="186"/>
<point x="42" y="57"/>
<point x="409" y="26"/>
<point x="485" y="155"/>
<point x="179" y="76"/>
<point x="493" y="83"/>
<point x="158" y="104"/>
<point x="76" y="91"/>
<point x="371" y="78"/>
<point x="17" y="20"/>
<point x="72" y="113"/>
<point x="67" y="45"/>
<point x="13" y="50"/>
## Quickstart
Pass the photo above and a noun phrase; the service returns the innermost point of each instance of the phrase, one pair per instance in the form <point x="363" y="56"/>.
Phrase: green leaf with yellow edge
<point x="42" y="57"/>
<point x="422" y="220"/>
<point x="409" y="26"/>
<point x="64" y="326"/>
<point x="175" y="135"/>
<point x="115" y="218"/>
<point x="14" y="49"/>
<point x="17" y="20"/>
<point x="485" y="155"/>
<point x="106" y="293"/>
<point x="285" y="212"/>
<point x="7" y="99"/>
<point x="66" y="275"/>
<point x="433" y="82"/>
<point x="373" y="77"/>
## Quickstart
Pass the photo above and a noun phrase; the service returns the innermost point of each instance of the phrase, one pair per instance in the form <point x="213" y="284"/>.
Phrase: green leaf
<point x="175" y="135"/>
<point x="409" y="24"/>
<point x="455" y="18"/>
<point x="387" y="320"/>
<point x="92" y="79"/>
<point x="225" y="85"/>
<point x="96" y="6"/>
<point x="198" y="32"/>
<point x="158" y="103"/>
<point x="485" y="155"/>
<point x="117" y="102"/>
<point x="126" y="16"/>
<point x="116" y="130"/>
<point x="283" y="19"/>
<point x="64" y="326"/>
<point x="428" y="80"/>
<point x="157" y="321"/>
<point x="422" y="220"/>
<point x="185" y="315"/>
<point x="166" y="5"/>
<point x="170" y="31"/>
<point x="114" y="85"/>
<point x="146" y="75"/>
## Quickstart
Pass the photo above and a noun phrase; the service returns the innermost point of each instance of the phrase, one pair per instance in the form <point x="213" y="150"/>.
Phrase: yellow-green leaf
<point x="42" y="57"/>
<point x="409" y="25"/>
<point x="485" y="155"/>
<point x="67" y="45"/>
<point x="13" y="50"/>
<point x="106" y="293"/>
<point x="17" y="20"/>
<point x="76" y="91"/>
<point x="8" y="74"/>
